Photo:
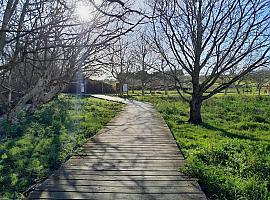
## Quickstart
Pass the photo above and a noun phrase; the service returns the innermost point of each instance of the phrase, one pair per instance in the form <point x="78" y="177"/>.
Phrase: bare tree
<point x="118" y="61"/>
<point x="226" y="77"/>
<point x="209" y="38"/>
<point x="144" y="60"/>
<point x="121" y="63"/>
<point x="261" y="78"/>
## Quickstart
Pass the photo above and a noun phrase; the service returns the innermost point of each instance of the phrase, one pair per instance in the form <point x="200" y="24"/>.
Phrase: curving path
<point x="134" y="157"/>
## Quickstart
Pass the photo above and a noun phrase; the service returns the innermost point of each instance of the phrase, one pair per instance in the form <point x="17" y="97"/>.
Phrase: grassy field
<point x="40" y="143"/>
<point x="230" y="152"/>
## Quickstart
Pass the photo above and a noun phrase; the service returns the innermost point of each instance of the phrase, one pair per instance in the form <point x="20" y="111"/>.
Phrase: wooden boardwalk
<point x="133" y="158"/>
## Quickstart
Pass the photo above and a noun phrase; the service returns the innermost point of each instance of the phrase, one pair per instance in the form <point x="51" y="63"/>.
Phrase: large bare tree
<point x="209" y="38"/>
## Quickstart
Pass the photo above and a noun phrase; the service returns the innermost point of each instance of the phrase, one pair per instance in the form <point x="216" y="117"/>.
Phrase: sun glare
<point x="84" y="11"/>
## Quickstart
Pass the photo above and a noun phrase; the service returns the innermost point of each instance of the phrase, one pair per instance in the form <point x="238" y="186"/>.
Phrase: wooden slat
<point x="130" y="161"/>
<point x="130" y="154"/>
<point x="118" y="172"/>
<point x="129" y="145"/>
<point x="120" y="178"/>
<point x="127" y="183"/>
<point x="139" y="168"/>
<point x="113" y="196"/>
<point x="124" y="164"/>
<point x="124" y="189"/>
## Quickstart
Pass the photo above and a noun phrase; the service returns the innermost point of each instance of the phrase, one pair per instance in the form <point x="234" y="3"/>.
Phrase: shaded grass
<point x="40" y="143"/>
<point x="230" y="152"/>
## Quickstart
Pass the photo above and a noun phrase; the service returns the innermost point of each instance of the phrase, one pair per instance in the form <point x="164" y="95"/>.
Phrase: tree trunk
<point x="237" y="89"/>
<point x="102" y="88"/>
<point x="165" y="84"/>
<point x="10" y="90"/>
<point x="195" y="111"/>
<point x="121" y="88"/>
<point x="226" y="91"/>
<point x="166" y="89"/>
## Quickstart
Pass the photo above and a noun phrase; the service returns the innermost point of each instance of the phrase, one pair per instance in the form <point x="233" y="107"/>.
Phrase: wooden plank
<point x="138" y="144"/>
<point x="139" y="189"/>
<point x="118" y="173"/>
<point x="130" y="145"/>
<point x="132" y="141"/>
<point x="94" y="177"/>
<point x="131" y="150"/>
<point x="113" y="196"/>
<point x="150" y="135"/>
<point x="174" y="165"/>
<point x="153" y="140"/>
<point x="146" y="183"/>
<point x="130" y="161"/>
<point x="131" y="153"/>
<point x="139" y="147"/>
<point x="165" y="151"/>
<point x="127" y="156"/>
<point x="120" y="168"/>
<point x="108" y="158"/>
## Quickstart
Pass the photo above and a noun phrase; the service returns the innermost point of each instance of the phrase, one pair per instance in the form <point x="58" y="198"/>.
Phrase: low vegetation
<point x="229" y="152"/>
<point x="38" y="144"/>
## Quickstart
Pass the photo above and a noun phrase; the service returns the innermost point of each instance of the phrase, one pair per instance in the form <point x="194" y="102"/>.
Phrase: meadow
<point x="36" y="145"/>
<point x="230" y="152"/>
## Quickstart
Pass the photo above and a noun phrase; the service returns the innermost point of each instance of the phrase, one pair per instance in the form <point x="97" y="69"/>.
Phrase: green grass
<point x="230" y="152"/>
<point x="40" y="143"/>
